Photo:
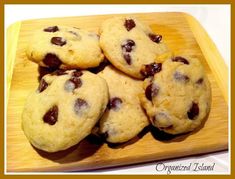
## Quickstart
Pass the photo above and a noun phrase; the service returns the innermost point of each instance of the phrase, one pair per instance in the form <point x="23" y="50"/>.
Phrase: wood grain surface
<point x="184" y="36"/>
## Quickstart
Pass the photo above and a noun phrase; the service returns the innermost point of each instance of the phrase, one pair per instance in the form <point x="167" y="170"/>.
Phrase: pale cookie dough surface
<point x="64" y="47"/>
<point x="129" y="44"/>
<point x="64" y="109"/>
<point x="124" y="117"/>
<point x="178" y="97"/>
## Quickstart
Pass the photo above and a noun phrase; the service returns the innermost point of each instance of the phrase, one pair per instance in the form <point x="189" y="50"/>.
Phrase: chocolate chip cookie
<point x="64" y="109"/>
<point x="124" y="117"/>
<point x="129" y="44"/>
<point x="177" y="94"/>
<point x="64" y="47"/>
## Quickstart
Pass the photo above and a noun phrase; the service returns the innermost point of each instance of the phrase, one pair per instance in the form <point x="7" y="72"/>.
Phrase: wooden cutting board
<point x="182" y="33"/>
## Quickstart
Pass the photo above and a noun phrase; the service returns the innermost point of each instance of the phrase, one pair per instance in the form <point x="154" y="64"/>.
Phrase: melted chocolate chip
<point x="155" y="38"/>
<point x="69" y="86"/>
<point x="181" y="77"/>
<point x="193" y="111"/>
<point x="199" y="81"/>
<point x="128" y="45"/>
<point x="129" y="24"/>
<point x="77" y="82"/>
<point x="52" y="60"/>
<point x="72" y="84"/>
<point x="51" y="29"/>
<point x="51" y="115"/>
<point x="180" y="59"/>
<point x="58" y="41"/>
<point x="127" y="58"/>
<point x="42" y="85"/>
<point x="151" y="69"/>
<point x="77" y="73"/>
<point x="114" y="103"/>
<point x="59" y="72"/>
<point x="79" y="105"/>
<point x="151" y="91"/>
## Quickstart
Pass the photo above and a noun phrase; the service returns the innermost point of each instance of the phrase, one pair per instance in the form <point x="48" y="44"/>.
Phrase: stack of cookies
<point x="117" y="82"/>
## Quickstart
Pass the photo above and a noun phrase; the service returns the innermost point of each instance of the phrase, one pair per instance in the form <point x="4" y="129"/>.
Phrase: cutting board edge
<point x="123" y="162"/>
<point x="12" y="36"/>
<point x="210" y="52"/>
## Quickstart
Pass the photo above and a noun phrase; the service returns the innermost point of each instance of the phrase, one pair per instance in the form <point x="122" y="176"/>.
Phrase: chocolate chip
<point x="193" y="111"/>
<point x="114" y="103"/>
<point x="51" y="29"/>
<point x="180" y="59"/>
<point x="72" y="84"/>
<point x="180" y="77"/>
<point x="151" y="91"/>
<point x="199" y="81"/>
<point x="52" y="60"/>
<point x="59" y="72"/>
<point x="151" y="69"/>
<point x="51" y="115"/>
<point x="58" y="41"/>
<point x="79" y="105"/>
<point x="155" y="38"/>
<point x="128" y="45"/>
<point x="77" y="73"/>
<point x="42" y="85"/>
<point x="77" y="82"/>
<point x="129" y="24"/>
<point x="69" y="86"/>
<point x="127" y="57"/>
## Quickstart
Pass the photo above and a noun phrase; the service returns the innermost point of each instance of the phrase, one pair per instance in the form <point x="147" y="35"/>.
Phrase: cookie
<point x="64" y="109"/>
<point x="177" y="97"/>
<point x="129" y="44"/>
<point x="65" y="48"/>
<point x="124" y="117"/>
